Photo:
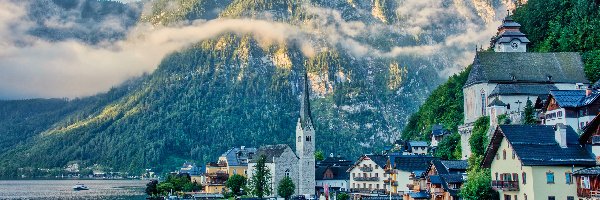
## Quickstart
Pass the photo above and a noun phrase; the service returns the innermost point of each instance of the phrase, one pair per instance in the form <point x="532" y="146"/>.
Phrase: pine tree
<point x="261" y="177"/>
<point x="529" y="113"/>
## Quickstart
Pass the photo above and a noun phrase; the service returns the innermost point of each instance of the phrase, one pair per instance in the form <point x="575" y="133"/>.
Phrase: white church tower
<point x="510" y="38"/>
<point x="305" y="145"/>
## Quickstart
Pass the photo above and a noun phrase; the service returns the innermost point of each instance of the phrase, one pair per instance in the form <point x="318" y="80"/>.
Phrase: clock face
<point x="515" y="45"/>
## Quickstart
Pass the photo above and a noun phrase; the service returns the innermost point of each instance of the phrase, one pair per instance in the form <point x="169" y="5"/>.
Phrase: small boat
<point x="80" y="186"/>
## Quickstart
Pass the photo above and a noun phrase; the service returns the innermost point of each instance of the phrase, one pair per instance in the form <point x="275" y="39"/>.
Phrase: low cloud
<point x="31" y="67"/>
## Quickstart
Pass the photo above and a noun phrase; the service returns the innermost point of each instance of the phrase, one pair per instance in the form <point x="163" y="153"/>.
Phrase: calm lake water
<point x="62" y="189"/>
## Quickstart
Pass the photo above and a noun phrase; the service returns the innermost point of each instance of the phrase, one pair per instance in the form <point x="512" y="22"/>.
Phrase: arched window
<point x="483" y="105"/>
<point x="504" y="154"/>
<point x="287" y="172"/>
<point x="524" y="177"/>
<point x="299" y="138"/>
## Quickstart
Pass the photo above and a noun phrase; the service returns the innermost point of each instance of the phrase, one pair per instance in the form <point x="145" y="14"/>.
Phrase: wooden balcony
<point x="368" y="191"/>
<point x="366" y="178"/>
<point x="506" y="185"/>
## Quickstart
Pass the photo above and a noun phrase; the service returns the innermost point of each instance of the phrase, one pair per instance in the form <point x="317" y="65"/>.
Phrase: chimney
<point x="560" y="135"/>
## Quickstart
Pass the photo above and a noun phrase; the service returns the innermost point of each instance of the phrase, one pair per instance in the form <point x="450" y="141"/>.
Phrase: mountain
<point x="370" y="65"/>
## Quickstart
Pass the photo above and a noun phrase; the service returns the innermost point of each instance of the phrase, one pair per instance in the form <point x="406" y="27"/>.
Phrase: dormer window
<point x="549" y="78"/>
<point x="513" y="77"/>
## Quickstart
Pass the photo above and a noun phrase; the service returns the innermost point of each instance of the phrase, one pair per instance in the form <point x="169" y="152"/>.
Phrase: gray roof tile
<point x="501" y="67"/>
<point x="573" y="98"/>
<point x="270" y="152"/>
<point x="522" y="89"/>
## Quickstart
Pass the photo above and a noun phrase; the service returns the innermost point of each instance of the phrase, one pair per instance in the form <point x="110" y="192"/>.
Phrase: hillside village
<point x="543" y="128"/>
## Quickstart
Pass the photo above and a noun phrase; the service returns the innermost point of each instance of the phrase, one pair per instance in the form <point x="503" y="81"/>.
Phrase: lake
<point x="62" y="189"/>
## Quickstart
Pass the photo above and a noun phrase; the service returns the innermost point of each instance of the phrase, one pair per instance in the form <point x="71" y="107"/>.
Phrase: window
<point x="524" y="177"/>
<point x="364" y="185"/>
<point x="482" y="103"/>
<point x="353" y="175"/>
<point x="525" y="196"/>
<point x="513" y="154"/>
<point x="496" y="175"/>
<point x="376" y="175"/>
<point x="299" y="138"/>
<point x="370" y="186"/>
<point x="376" y="166"/>
<point x="497" y="156"/>
<point x="506" y="197"/>
<point x="287" y="173"/>
<point x="550" y="178"/>
<point x="551" y="198"/>
<point x="569" y="178"/>
<point x="570" y="198"/>
<point x="377" y="186"/>
<point x="504" y="154"/>
<point x="515" y="177"/>
<point x="585" y="182"/>
<point x="353" y="185"/>
<point x="516" y="197"/>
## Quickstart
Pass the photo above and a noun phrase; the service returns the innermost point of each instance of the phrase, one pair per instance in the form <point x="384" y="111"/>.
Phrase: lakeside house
<point x="445" y="178"/>
<point x="535" y="161"/>
<point x="333" y="173"/>
<point x="233" y="161"/>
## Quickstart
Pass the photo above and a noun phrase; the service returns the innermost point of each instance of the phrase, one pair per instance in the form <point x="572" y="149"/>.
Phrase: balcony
<point x="366" y="169"/>
<point x="437" y="190"/>
<point x="366" y="178"/>
<point x="368" y="191"/>
<point x="506" y="185"/>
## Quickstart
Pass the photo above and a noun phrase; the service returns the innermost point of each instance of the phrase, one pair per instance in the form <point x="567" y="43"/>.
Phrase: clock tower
<point x="510" y="38"/>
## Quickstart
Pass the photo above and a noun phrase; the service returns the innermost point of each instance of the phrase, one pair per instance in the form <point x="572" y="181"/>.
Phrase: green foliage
<point x="444" y="105"/>
<point x="479" y="137"/>
<point x="529" y="113"/>
<point x="592" y="65"/>
<point x="235" y="183"/>
<point x="504" y="119"/>
<point x="319" y="155"/>
<point x="151" y="188"/>
<point x="477" y="185"/>
<point x="165" y="188"/>
<point x="286" y="188"/>
<point x="563" y="25"/>
<point x="343" y="196"/>
<point x="447" y="149"/>
<point x="261" y="178"/>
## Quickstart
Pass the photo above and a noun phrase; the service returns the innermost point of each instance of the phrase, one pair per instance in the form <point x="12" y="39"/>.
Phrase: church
<point x="299" y="165"/>
<point x="501" y="82"/>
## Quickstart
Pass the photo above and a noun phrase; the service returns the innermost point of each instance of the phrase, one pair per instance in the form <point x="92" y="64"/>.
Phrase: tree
<point x="261" y="177"/>
<point x="319" y="155"/>
<point x="191" y="187"/>
<point x="503" y="119"/>
<point x="342" y="196"/>
<point x="478" y="182"/>
<point x="448" y="146"/>
<point x="286" y="188"/>
<point x="479" y="138"/>
<point x="529" y="113"/>
<point x="235" y="183"/>
<point x="151" y="189"/>
<point x="165" y="187"/>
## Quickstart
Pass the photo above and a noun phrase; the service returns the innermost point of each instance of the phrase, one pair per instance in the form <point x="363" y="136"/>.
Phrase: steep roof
<point x="588" y="171"/>
<point x="378" y="159"/>
<point x="335" y="160"/>
<point x="305" y="114"/>
<point x="438" y="129"/>
<point x="450" y="166"/>
<point x="497" y="102"/>
<point x="589" y="130"/>
<point x="270" y="152"/>
<point x="339" y="172"/>
<point x="535" y="146"/>
<point x="573" y="98"/>
<point x="526" y="67"/>
<point x="238" y="156"/>
<point x="413" y="163"/>
<point x="417" y="144"/>
<point x="523" y="89"/>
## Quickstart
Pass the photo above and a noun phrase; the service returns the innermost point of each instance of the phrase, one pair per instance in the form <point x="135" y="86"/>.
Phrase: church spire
<point x="305" y="115"/>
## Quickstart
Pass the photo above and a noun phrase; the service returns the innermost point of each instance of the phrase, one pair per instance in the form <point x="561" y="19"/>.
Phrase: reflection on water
<point x="62" y="189"/>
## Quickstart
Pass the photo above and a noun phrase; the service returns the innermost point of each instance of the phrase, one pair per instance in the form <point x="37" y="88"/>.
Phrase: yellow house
<point x="535" y="162"/>
<point x="234" y="161"/>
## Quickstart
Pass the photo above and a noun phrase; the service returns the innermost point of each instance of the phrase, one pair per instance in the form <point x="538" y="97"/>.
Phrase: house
<point x="367" y="175"/>
<point x="281" y="161"/>
<point x="418" y="188"/>
<point x="233" y="161"/>
<point x="512" y="75"/>
<point x="588" y="183"/>
<point x="416" y="148"/>
<point x="409" y="167"/>
<point x="575" y="108"/>
<point x="333" y="172"/>
<point x="437" y="134"/>
<point x="588" y="180"/>
<point x="535" y="161"/>
<point x="445" y="177"/>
